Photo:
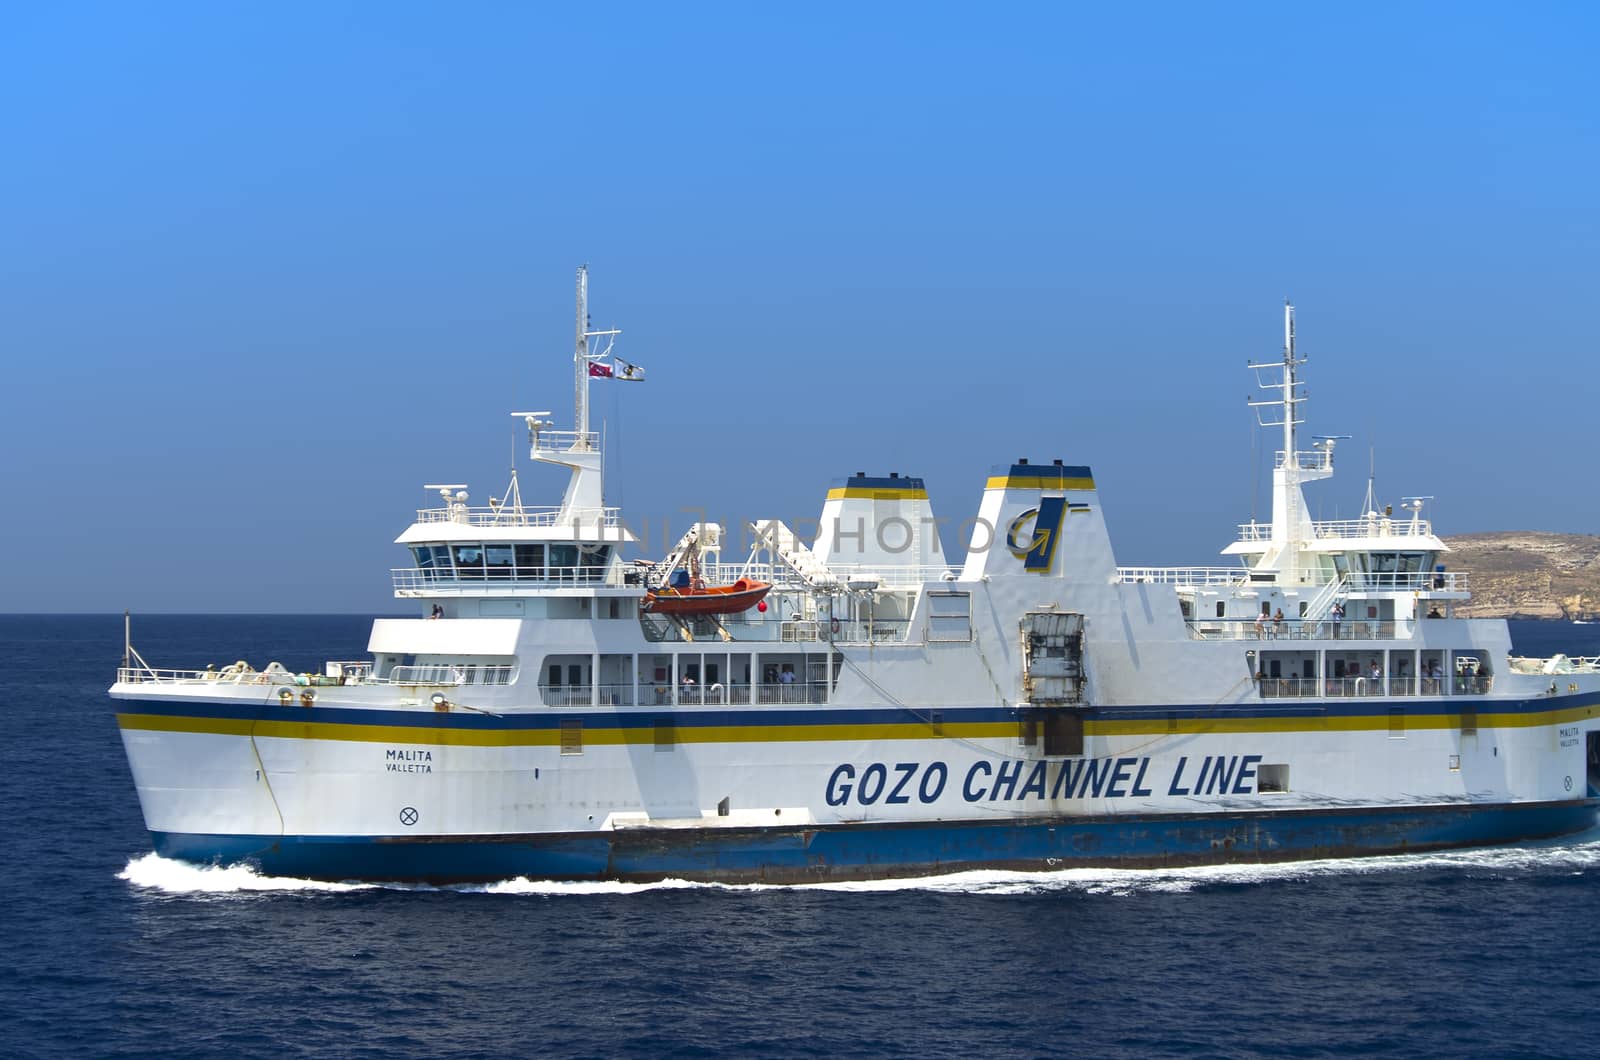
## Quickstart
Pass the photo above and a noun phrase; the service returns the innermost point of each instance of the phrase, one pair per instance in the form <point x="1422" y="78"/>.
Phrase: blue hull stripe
<point x="877" y="851"/>
<point x="647" y="716"/>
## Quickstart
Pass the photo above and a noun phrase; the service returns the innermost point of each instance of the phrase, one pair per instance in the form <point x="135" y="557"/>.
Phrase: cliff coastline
<point x="1528" y="574"/>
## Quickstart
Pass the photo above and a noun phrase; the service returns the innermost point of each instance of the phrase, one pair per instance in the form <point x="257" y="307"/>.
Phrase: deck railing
<point x="890" y="576"/>
<point x="608" y="695"/>
<point x="1292" y="629"/>
<point x="443" y="675"/>
<point x="411" y="580"/>
<point x="586" y="519"/>
<point x="1370" y="687"/>
<point x="1336" y="529"/>
<point x="450" y="674"/>
<point x="566" y="441"/>
<point x="664" y="693"/>
<point x="1183" y="577"/>
<point x="1408" y="581"/>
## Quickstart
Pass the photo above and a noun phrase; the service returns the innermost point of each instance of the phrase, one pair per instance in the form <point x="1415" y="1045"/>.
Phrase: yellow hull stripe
<point x="1331" y="723"/>
<point x="550" y="737"/>
<point x="301" y="730"/>
<point x="1031" y="482"/>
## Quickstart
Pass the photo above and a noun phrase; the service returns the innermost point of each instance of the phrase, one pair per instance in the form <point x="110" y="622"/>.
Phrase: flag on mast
<point x="617" y="368"/>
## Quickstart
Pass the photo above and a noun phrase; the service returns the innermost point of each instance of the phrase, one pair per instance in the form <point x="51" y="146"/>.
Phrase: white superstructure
<point x="886" y="710"/>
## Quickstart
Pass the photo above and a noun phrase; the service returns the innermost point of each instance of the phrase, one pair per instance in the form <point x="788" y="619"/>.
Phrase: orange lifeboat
<point x="697" y="599"/>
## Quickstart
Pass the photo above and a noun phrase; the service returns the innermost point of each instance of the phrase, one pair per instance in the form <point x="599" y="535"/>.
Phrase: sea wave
<point x="156" y="873"/>
<point x="1576" y="855"/>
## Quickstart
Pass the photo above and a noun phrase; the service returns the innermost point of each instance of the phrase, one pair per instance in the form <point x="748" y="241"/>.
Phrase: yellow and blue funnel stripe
<point x="872" y="487"/>
<point x="1040" y="477"/>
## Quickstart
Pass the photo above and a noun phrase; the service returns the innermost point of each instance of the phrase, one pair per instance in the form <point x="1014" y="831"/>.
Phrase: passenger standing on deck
<point x="1338" y="617"/>
<point x="1277" y="624"/>
<point x="1261" y="625"/>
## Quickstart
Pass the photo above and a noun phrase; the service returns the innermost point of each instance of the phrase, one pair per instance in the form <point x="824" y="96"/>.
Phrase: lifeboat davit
<point x="693" y="599"/>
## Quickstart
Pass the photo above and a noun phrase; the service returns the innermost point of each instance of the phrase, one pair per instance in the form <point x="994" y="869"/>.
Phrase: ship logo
<point x="1038" y="551"/>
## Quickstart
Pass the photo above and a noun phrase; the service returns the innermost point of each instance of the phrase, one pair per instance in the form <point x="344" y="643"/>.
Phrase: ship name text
<point x="407" y="760"/>
<point x="1016" y="780"/>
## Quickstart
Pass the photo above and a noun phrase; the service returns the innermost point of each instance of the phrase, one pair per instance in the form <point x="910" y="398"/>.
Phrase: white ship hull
<point x="464" y="797"/>
<point x="890" y="713"/>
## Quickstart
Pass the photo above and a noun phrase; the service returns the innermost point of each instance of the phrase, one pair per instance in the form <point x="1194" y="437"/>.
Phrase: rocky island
<point x="1528" y="574"/>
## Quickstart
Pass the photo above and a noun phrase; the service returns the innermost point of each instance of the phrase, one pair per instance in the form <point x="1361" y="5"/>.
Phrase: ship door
<point x="1593" y="759"/>
<point x="1052" y="658"/>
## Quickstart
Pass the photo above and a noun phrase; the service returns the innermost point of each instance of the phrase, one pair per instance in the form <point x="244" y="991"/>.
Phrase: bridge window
<point x="530" y="561"/>
<point x="498" y="560"/>
<point x="469" y="561"/>
<point x="433" y="557"/>
<point x="563" y="555"/>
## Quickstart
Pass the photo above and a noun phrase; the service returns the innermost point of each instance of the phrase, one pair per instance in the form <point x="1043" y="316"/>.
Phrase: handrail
<point x="1373" y="687"/>
<point x="1334" y="529"/>
<point x="608" y="694"/>
<point x="664" y="693"/>
<point x="1183" y="577"/>
<point x="1306" y="459"/>
<point x="565" y="441"/>
<point x="1291" y="629"/>
<point x="450" y="674"/>
<point x="418" y="579"/>
<point x="1321" y="605"/>
<point x="892" y="575"/>
<point x="134" y="675"/>
<point x="588" y="518"/>
<point x="1409" y="581"/>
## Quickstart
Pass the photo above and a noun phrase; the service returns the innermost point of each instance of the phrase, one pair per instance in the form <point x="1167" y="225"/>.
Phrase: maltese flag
<point x="616" y="369"/>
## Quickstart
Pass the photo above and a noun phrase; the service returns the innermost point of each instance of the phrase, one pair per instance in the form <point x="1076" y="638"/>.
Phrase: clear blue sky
<point x="266" y="268"/>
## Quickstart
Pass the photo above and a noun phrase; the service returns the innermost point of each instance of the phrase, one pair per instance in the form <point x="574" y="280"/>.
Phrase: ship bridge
<point x="510" y="548"/>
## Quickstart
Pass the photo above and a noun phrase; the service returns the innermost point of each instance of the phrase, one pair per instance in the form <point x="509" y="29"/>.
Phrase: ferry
<point x="859" y="705"/>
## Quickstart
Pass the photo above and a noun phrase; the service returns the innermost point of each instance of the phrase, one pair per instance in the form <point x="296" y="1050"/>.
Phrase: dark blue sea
<point x="111" y="951"/>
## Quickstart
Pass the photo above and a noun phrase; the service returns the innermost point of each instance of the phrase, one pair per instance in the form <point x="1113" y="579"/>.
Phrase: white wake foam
<point x="1573" y="856"/>
<point x="157" y="873"/>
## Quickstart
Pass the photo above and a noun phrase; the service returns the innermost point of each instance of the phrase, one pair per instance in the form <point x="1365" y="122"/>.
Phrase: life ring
<point x="834" y="625"/>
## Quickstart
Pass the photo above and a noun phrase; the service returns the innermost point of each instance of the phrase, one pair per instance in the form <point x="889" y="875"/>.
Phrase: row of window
<point x="511" y="560"/>
<point x="577" y="674"/>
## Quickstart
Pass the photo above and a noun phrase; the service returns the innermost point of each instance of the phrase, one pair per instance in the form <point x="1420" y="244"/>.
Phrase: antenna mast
<point x="1291" y="528"/>
<point x="1290" y="398"/>
<point x="580" y="361"/>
